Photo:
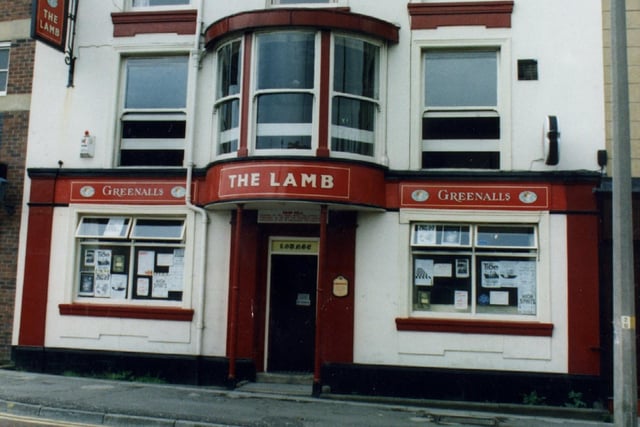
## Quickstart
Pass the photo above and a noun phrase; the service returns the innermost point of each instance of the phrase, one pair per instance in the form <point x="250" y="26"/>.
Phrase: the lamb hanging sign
<point x="49" y="22"/>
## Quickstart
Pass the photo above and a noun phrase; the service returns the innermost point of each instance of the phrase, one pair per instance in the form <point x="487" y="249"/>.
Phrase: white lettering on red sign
<point x="291" y="179"/>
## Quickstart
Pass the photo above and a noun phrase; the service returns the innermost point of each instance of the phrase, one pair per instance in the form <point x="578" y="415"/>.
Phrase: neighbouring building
<point x="16" y="73"/>
<point x="605" y="190"/>
<point x="392" y="197"/>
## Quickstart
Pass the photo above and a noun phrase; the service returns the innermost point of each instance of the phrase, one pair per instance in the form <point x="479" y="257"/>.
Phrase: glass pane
<point x="442" y="283"/>
<point x="158" y="229"/>
<point x="145" y="3"/>
<point x="460" y="128"/>
<point x="4" y="59"/>
<point x="506" y="236"/>
<point x="113" y="227"/>
<point x="285" y="108"/>
<point x="461" y="79"/>
<point x="286" y="60"/>
<point x="441" y="235"/>
<point x="103" y="271"/>
<point x="228" y="120"/>
<point x="355" y="67"/>
<point x="506" y="285"/>
<point x="156" y="82"/>
<point x="152" y="129"/>
<point x="3" y="81"/>
<point x="158" y="273"/>
<point x="299" y="1"/>
<point x="353" y="123"/>
<point x="229" y="62"/>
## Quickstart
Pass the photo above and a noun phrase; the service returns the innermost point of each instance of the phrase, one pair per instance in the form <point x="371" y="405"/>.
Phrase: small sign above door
<point x="292" y="246"/>
<point x="289" y="216"/>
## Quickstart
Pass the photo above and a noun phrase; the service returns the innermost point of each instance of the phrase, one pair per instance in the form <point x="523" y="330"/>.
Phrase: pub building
<point x="385" y="198"/>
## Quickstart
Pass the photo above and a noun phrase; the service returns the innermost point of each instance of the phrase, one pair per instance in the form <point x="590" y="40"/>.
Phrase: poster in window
<point x="103" y="273"/>
<point x="176" y="271"/>
<point x="462" y="268"/>
<point x="425" y="235"/>
<point x="490" y="274"/>
<point x="146" y="260"/>
<point x="527" y="303"/>
<point x="461" y="300"/>
<point x="142" y="287"/>
<point x="423" y="274"/>
<point x="118" y="263"/>
<point x="86" y="284"/>
<point x="89" y="258"/>
<point x="442" y="269"/>
<point x="165" y="260"/>
<point x="160" y="287"/>
<point x="118" y="286"/>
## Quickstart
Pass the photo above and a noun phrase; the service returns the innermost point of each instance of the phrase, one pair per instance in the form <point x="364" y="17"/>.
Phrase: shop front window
<point x="153" y="120"/>
<point x="474" y="269"/>
<point x="129" y="258"/>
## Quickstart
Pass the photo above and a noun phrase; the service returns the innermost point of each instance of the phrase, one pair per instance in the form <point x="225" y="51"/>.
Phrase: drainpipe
<point x="189" y="144"/>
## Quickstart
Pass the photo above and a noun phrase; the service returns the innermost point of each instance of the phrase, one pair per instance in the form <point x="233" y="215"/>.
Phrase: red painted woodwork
<point x="325" y="89"/>
<point x="491" y="14"/>
<point x="126" y="311"/>
<point x="128" y="24"/>
<point x="533" y="329"/>
<point x="243" y="150"/>
<point x="35" y="289"/>
<point x="583" y="293"/>
<point x="337" y="18"/>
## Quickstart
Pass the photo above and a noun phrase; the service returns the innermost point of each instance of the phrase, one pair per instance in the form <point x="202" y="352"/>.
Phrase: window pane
<point x="113" y="227"/>
<point x="229" y="69"/>
<point x="157" y="229"/>
<point x="4" y="59"/>
<point x="299" y="1"/>
<point x="442" y="283"/>
<point x="355" y="67"/>
<point x="3" y="81"/>
<point x="353" y="123"/>
<point x="153" y="129"/>
<point x="103" y="271"/>
<point x="156" y="82"/>
<point x="284" y="121"/>
<point x="139" y="157"/>
<point x="461" y="128"/>
<point x="228" y="120"/>
<point x="286" y="60"/>
<point x="145" y="3"/>
<point x="441" y="235"/>
<point x="461" y="79"/>
<point x="505" y="236"/>
<point x="506" y="285"/>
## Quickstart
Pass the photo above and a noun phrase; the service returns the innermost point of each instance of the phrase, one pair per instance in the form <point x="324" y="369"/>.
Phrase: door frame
<point x="272" y="250"/>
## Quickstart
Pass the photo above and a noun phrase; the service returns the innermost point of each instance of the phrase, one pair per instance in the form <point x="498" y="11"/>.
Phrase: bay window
<point x="286" y="113"/>
<point x="474" y="269"/>
<point x="122" y="258"/>
<point x="153" y="119"/>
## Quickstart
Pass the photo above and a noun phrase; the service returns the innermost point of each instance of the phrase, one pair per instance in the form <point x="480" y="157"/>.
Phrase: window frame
<point x="130" y="247"/>
<point x="133" y="8"/>
<point x="538" y="219"/>
<point x="378" y="102"/>
<point x="255" y="94"/>
<point x="7" y="47"/>
<point x="424" y="41"/>
<point x="150" y="114"/>
<point x="315" y="4"/>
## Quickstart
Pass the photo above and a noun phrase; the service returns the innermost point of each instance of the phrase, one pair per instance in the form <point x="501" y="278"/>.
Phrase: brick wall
<point x="14" y="9"/>
<point x="13" y="143"/>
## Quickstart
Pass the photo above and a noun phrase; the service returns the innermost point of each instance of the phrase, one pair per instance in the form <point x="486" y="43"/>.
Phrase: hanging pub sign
<point x="49" y="22"/>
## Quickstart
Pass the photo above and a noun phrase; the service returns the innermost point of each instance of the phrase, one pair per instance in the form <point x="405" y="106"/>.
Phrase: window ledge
<point x="130" y="312"/>
<point x="128" y="24"/>
<point x="493" y="327"/>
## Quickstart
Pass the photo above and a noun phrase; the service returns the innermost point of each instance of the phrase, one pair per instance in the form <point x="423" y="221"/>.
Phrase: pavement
<point x="91" y="401"/>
